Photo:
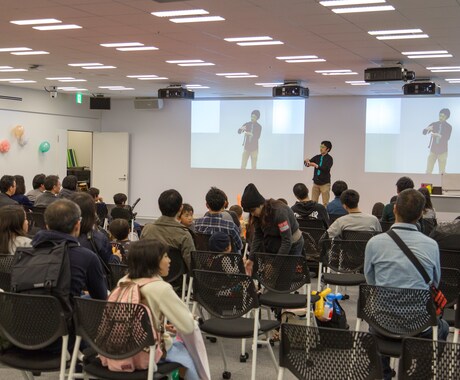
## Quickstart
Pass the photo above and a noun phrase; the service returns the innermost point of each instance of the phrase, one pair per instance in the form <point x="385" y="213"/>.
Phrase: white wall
<point x="160" y="155"/>
<point x="43" y="119"/>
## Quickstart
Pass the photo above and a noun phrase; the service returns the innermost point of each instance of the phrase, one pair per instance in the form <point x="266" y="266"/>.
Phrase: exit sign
<point x="78" y="98"/>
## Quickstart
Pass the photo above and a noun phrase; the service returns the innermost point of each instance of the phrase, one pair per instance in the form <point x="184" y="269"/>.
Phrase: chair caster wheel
<point x="244" y="357"/>
<point x="393" y="373"/>
<point x="211" y="339"/>
<point x="226" y="375"/>
<point x="259" y="345"/>
<point x="272" y="342"/>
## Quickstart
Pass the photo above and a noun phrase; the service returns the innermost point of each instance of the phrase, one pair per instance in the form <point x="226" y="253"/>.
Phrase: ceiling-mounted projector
<point x="386" y="74"/>
<point x="290" y="90"/>
<point x="175" y="93"/>
<point x="421" y="88"/>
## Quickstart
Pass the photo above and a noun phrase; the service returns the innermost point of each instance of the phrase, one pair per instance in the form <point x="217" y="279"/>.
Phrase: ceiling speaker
<point x="148" y="103"/>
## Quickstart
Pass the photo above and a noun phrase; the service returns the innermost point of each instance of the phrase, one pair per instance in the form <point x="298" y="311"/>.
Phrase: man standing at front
<point x="440" y="134"/>
<point x="322" y="164"/>
<point x="385" y="264"/>
<point x="251" y="131"/>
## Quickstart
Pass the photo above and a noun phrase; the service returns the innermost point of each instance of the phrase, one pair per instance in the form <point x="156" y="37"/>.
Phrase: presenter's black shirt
<point x="322" y="175"/>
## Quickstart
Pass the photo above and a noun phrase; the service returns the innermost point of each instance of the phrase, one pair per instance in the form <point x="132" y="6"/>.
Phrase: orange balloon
<point x="18" y="131"/>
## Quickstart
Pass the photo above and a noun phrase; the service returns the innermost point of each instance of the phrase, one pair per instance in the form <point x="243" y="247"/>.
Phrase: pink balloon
<point x="4" y="146"/>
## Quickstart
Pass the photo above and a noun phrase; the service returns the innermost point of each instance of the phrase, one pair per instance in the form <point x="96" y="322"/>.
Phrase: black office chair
<point x="228" y="297"/>
<point x="115" y="330"/>
<point x="358" y="235"/>
<point x="117" y="272"/>
<point x="450" y="258"/>
<point x="177" y="270"/>
<point x="201" y="241"/>
<point x="311" y="223"/>
<point x="31" y="323"/>
<point x="6" y="262"/>
<point x="450" y="286"/>
<point x="385" y="225"/>
<point x="323" y="353"/>
<point x="424" y="359"/>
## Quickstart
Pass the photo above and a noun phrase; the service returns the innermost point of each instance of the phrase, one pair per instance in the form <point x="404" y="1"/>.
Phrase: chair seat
<point x="283" y="300"/>
<point x="236" y="328"/>
<point x="31" y="360"/>
<point x="95" y="368"/>
<point x="449" y="316"/>
<point x="389" y="347"/>
<point x="344" y="279"/>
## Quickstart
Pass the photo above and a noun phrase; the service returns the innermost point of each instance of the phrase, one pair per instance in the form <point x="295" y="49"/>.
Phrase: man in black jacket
<point x="322" y="164"/>
<point x="305" y="208"/>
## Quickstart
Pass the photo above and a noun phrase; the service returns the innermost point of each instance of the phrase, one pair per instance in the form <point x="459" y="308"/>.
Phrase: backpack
<point x="44" y="269"/>
<point x="130" y="292"/>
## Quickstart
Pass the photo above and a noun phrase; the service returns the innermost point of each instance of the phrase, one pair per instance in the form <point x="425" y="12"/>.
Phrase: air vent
<point x="15" y="98"/>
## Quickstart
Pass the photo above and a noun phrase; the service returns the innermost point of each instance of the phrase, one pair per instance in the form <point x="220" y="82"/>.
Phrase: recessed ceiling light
<point x="142" y="76"/>
<point x="333" y="71"/>
<point x="195" y="86"/>
<point x="394" y="31"/>
<point x="185" y="12"/>
<point x="243" y="39"/>
<point x="403" y="37"/>
<point x="5" y="67"/>
<point x="378" y="8"/>
<point x="442" y="67"/>
<point x="225" y="74"/>
<point x="298" y="57"/>
<point x="261" y="43"/>
<point x="9" y="50"/>
<point x="429" y="56"/>
<point x="32" y="52"/>
<point x="344" y="73"/>
<point x="425" y="52"/>
<point x="22" y="81"/>
<point x="452" y="69"/>
<point x="39" y="21"/>
<point x="10" y="79"/>
<point x="305" y="60"/>
<point x="241" y="76"/>
<point x="59" y="78"/>
<point x="57" y="27"/>
<point x="357" y="83"/>
<point x="186" y="61"/>
<point x="72" y="89"/>
<point x="72" y="80"/>
<point x="196" y="19"/>
<point x="98" y="67"/>
<point x="338" y="3"/>
<point x="85" y="64"/>
<point x="452" y="79"/>
<point x="122" y="44"/>
<point x="116" y="88"/>
<point x="139" y="48"/>
<point x="197" y="64"/>
<point x="156" y="78"/>
<point x="11" y="70"/>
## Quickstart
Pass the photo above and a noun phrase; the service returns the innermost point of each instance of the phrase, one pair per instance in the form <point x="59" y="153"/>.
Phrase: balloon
<point x="18" y="131"/>
<point x="44" y="146"/>
<point x="4" y="146"/>
<point x="23" y="141"/>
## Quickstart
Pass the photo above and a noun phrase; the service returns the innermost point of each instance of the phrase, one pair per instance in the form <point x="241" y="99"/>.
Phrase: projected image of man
<point x="440" y="132"/>
<point x="251" y="130"/>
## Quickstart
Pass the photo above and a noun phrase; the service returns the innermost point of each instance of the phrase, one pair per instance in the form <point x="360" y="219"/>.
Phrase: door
<point x="110" y="172"/>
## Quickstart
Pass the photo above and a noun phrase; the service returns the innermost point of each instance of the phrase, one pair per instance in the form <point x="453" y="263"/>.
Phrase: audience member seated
<point x="428" y="212"/>
<point x="355" y="220"/>
<point x="167" y="228"/>
<point x="119" y="229"/>
<point x="238" y="210"/>
<point x="220" y="242"/>
<point x="90" y="236"/>
<point x="387" y="265"/>
<point x="121" y="210"/>
<point x="20" y="191"/>
<point x="186" y="217"/>
<point x="7" y="190"/>
<point x="38" y="187"/>
<point x="447" y="235"/>
<point x="13" y="229"/>
<point x="52" y="189"/>
<point x="402" y="184"/>
<point x="276" y="229"/>
<point x="377" y="210"/>
<point x="101" y="207"/>
<point x="69" y="187"/>
<point x="335" y="208"/>
<point x="304" y="208"/>
<point x="229" y="214"/>
<point x="149" y="259"/>
<point x="214" y="220"/>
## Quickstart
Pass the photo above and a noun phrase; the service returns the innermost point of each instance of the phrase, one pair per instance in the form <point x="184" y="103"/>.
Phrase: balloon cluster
<point x="18" y="132"/>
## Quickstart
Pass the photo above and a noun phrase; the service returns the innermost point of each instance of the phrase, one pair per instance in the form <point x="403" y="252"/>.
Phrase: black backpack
<point x="44" y="269"/>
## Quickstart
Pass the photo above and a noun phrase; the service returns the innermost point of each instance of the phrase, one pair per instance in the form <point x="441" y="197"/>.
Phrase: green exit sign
<point x="79" y="98"/>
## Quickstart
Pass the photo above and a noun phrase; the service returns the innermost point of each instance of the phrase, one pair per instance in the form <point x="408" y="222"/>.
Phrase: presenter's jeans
<point x="442" y="160"/>
<point x="245" y="158"/>
<point x="324" y="190"/>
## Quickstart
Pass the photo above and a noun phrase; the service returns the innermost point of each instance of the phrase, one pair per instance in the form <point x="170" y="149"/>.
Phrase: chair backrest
<point x="450" y="258"/>
<point x="450" y="284"/>
<point x="323" y="353"/>
<point x="113" y="329"/>
<point x="385" y="225"/>
<point x="357" y="235"/>
<point x="396" y="312"/>
<point x="310" y="223"/>
<point x="345" y="256"/>
<point x="315" y="233"/>
<point x="425" y="359"/>
<point x="282" y="273"/>
<point x="427" y="225"/>
<point x="37" y="219"/>
<point x="201" y="241"/>
<point x="31" y="321"/>
<point x="6" y="262"/>
<point x="117" y="272"/>
<point x="224" y="295"/>
<point x="217" y="261"/>
<point x="177" y="266"/>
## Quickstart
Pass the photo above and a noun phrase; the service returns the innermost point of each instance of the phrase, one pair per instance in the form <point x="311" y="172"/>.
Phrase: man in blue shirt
<point x="385" y="264"/>
<point x="335" y="208"/>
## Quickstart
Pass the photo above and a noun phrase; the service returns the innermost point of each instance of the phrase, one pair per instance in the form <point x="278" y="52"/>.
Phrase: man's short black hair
<point x="187" y="207"/>
<point x="38" y="180"/>
<point x="6" y="182"/>
<point x="70" y="182"/>
<point x="338" y="187"/>
<point x="94" y="192"/>
<point x="215" y="199"/>
<point x="170" y="202"/>
<point x="300" y="191"/>
<point x="119" y="198"/>
<point x="62" y="215"/>
<point x="410" y="205"/>
<point x="327" y="144"/>
<point x="445" y="111"/>
<point x="350" y="198"/>
<point x="50" y="182"/>
<point x="256" y="113"/>
<point x="404" y="183"/>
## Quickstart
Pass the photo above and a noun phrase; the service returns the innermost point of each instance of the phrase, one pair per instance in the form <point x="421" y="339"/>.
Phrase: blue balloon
<point x="44" y="146"/>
